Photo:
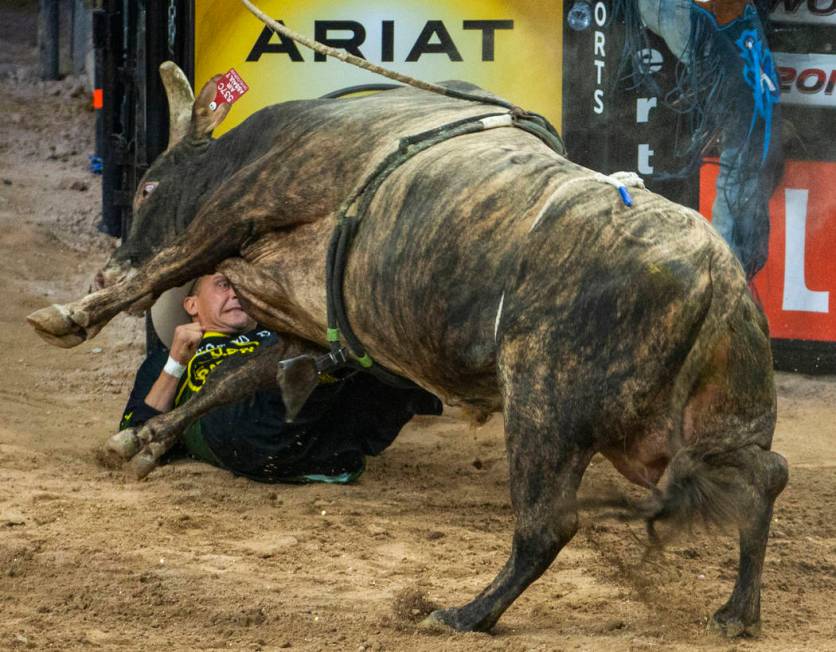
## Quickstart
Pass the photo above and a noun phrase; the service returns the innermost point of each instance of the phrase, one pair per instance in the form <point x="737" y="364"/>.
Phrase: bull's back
<point x="497" y="218"/>
<point x="297" y="161"/>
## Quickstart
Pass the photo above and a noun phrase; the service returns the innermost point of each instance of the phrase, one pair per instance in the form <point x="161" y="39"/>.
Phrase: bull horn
<point x="180" y="100"/>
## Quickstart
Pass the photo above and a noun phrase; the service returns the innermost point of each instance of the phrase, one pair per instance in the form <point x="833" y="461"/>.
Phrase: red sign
<point x="797" y="286"/>
<point x="229" y="88"/>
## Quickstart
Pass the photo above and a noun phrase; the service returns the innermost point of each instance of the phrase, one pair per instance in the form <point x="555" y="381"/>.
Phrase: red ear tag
<point x="230" y="87"/>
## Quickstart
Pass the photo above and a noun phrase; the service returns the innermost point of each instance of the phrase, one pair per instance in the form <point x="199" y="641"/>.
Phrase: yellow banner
<point x="513" y="48"/>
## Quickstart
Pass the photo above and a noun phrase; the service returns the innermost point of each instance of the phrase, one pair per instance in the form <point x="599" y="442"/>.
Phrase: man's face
<point x="214" y="305"/>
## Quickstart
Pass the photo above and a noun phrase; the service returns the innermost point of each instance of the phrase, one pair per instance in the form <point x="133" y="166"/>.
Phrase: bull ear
<point x="204" y="119"/>
<point x="180" y="101"/>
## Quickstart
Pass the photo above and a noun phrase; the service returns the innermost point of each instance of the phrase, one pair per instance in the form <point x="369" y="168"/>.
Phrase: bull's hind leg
<point x="761" y="475"/>
<point x="742" y="413"/>
<point x="546" y="467"/>
<point x="727" y="472"/>
<point x="740" y="486"/>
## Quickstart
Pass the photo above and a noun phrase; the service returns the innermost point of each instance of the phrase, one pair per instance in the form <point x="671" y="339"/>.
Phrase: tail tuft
<point x="698" y="493"/>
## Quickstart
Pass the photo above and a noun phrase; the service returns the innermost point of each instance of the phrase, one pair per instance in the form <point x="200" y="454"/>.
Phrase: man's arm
<point x="162" y="392"/>
<point x="144" y="403"/>
<point x="183" y="347"/>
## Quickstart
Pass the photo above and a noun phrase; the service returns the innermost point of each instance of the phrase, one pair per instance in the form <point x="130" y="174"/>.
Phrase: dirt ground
<point x="194" y="558"/>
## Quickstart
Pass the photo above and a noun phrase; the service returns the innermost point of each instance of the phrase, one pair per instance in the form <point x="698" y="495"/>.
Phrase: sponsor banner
<point x="797" y="286"/>
<point x="511" y="47"/>
<point x="807" y="79"/>
<point x="814" y="12"/>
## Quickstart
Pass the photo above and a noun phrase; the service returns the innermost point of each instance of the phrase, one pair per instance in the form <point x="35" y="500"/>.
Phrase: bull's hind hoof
<point x="438" y="622"/>
<point x="732" y="627"/>
<point x="451" y="620"/>
<point x="55" y="326"/>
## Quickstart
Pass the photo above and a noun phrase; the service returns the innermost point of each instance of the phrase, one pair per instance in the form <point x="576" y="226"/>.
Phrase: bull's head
<point x="168" y="197"/>
<point x="168" y="194"/>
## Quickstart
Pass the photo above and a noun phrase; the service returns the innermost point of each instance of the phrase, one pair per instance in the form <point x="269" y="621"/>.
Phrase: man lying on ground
<point x="345" y="419"/>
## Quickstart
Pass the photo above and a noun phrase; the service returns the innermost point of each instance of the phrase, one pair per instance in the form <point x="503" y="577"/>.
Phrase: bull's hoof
<point x="438" y="621"/>
<point x="297" y="378"/>
<point x="123" y="445"/>
<point x="453" y="620"/>
<point x="733" y="627"/>
<point x="55" y="326"/>
<point x="142" y="464"/>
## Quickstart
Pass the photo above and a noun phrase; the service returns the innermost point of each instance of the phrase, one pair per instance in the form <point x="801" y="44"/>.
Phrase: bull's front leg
<point x="194" y="253"/>
<point x="546" y="464"/>
<point x="236" y="379"/>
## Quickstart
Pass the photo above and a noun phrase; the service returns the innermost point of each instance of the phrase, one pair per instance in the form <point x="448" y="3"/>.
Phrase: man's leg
<point x="740" y="214"/>
<point x="236" y="379"/>
<point x="722" y="215"/>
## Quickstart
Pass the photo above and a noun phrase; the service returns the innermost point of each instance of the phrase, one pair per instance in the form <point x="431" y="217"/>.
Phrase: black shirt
<point x="343" y="420"/>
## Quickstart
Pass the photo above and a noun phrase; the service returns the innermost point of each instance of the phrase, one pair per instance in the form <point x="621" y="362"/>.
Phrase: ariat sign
<point x="350" y="35"/>
<point x="820" y="12"/>
<point x="513" y="48"/>
<point x="807" y="79"/>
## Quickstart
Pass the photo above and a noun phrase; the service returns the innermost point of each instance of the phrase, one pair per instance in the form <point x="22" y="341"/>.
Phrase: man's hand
<point x="185" y="341"/>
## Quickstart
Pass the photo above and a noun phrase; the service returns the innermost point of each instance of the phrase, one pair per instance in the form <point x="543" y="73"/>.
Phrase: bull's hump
<point x="402" y="104"/>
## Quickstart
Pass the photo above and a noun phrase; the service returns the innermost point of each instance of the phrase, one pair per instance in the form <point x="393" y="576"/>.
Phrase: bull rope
<point x="357" y="204"/>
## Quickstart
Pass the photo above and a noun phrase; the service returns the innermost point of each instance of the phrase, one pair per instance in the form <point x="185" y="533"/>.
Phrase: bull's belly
<point x="642" y="462"/>
<point x="280" y="279"/>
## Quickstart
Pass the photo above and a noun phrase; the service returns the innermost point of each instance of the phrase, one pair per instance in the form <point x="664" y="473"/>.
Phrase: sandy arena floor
<point x="194" y="558"/>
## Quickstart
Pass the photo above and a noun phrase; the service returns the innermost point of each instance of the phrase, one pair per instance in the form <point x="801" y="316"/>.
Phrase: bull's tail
<point x="701" y="489"/>
<point x="724" y="471"/>
<point x="698" y="493"/>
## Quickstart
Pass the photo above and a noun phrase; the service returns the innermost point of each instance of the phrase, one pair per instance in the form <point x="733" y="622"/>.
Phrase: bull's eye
<point x="148" y="188"/>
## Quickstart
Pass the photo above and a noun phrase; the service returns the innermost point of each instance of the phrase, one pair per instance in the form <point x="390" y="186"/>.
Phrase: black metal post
<point x="156" y="104"/>
<point x="109" y="28"/>
<point x="48" y="28"/>
<point x="80" y="36"/>
<point x="99" y="44"/>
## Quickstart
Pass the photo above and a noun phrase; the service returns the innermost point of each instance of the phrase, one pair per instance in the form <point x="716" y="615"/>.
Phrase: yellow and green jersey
<point x="343" y="420"/>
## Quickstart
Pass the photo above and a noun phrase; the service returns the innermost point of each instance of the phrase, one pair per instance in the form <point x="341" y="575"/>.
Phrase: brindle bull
<point x="494" y="273"/>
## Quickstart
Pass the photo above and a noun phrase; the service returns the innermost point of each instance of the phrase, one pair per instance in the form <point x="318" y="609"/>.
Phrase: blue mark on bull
<point x="625" y="196"/>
